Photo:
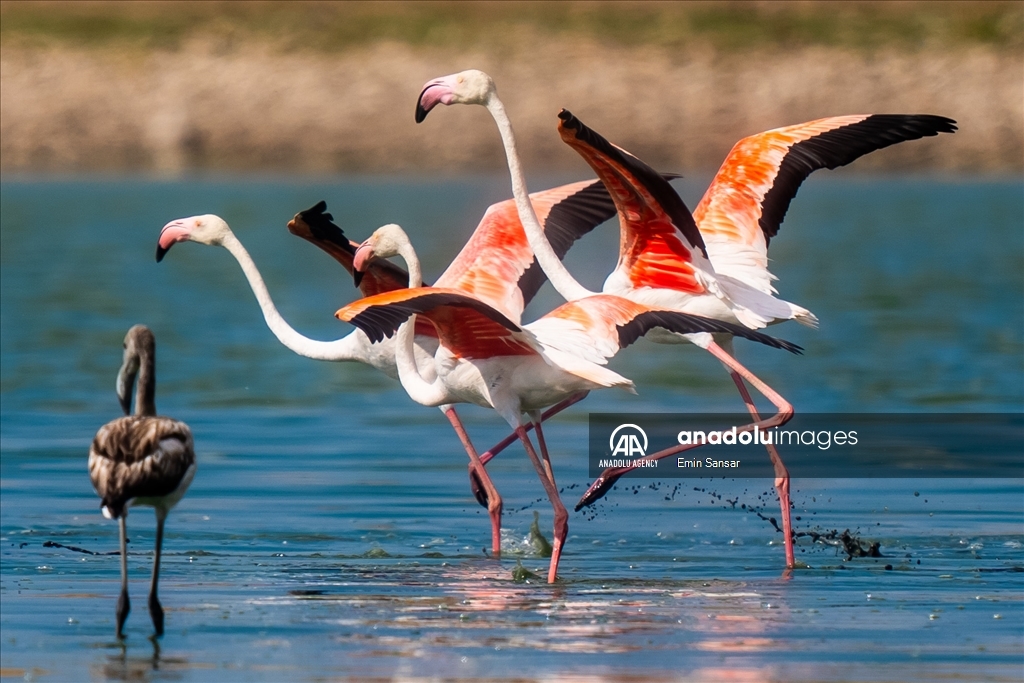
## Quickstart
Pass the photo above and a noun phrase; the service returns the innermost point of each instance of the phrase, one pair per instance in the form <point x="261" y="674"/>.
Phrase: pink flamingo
<point x="736" y="219"/>
<point x="487" y="358"/>
<point x="664" y="259"/>
<point x="569" y="212"/>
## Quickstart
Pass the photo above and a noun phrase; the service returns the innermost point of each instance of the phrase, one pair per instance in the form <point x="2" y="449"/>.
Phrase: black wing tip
<point x="766" y="339"/>
<point x="922" y="124"/>
<point x="317" y="213"/>
<point x="687" y="323"/>
<point x="839" y="147"/>
<point x="795" y="349"/>
<point x="322" y="226"/>
<point x="942" y="124"/>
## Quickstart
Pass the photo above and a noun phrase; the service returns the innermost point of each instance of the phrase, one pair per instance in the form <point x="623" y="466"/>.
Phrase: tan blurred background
<point x="169" y="87"/>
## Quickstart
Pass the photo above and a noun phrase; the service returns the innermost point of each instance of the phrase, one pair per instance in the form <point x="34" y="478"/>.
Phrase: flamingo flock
<point x="700" y="278"/>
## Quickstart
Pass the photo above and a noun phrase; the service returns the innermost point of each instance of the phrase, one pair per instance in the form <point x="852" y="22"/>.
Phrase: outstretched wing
<point x="317" y="226"/>
<point x="751" y="193"/>
<point x="660" y="245"/>
<point x="466" y="326"/>
<point x="497" y="264"/>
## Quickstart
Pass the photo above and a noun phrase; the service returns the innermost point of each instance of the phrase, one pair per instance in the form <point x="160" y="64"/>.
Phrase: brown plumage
<point x="139" y="460"/>
<point x="142" y="459"/>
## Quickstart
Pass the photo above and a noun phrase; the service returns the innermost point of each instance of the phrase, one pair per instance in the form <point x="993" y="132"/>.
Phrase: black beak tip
<point x="160" y="251"/>
<point x="357" y="277"/>
<point x="596" y="492"/>
<point x="126" y="405"/>
<point x="421" y="113"/>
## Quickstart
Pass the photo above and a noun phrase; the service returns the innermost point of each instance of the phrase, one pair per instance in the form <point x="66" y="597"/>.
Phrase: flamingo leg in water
<point x="603" y="484"/>
<point x="485" y="458"/>
<point x="536" y="418"/>
<point x="123" y="603"/>
<point x="156" y="612"/>
<point x="561" y="525"/>
<point x="494" y="504"/>
<point x="781" y="473"/>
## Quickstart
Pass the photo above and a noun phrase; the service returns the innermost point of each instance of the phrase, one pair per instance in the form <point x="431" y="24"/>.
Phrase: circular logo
<point x="628" y="443"/>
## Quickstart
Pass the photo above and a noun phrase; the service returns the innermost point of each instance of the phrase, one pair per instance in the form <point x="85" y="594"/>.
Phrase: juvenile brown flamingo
<point x="142" y="459"/>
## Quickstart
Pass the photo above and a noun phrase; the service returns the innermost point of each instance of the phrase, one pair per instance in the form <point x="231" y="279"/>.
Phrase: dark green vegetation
<point x="329" y="26"/>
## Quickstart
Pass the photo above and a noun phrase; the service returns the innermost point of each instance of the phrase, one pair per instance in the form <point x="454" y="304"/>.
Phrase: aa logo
<point x="628" y="440"/>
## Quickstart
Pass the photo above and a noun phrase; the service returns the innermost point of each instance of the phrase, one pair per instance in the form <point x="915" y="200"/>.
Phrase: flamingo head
<point x="386" y="241"/>
<point x="138" y="341"/>
<point x="465" y="87"/>
<point x="205" y="229"/>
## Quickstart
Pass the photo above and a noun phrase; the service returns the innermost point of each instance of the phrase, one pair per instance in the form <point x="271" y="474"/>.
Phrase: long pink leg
<point x="494" y="504"/>
<point x="536" y="418"/>
<point x="781" y="473"/>
<point x="547" y="414"/>
<point x="485" y="458"/>
<point x="561" y="525"/>
<point x="785" y="412"/>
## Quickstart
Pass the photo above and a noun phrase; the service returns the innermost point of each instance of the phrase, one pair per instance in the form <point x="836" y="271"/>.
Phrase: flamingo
<point x="565" y="221"/>
<point x="736" y="219"/>
<point x="569" y="211"/>
<point x="141" y="459"/>
<point x="486" y="358"/>
<point x="664" y="258"/>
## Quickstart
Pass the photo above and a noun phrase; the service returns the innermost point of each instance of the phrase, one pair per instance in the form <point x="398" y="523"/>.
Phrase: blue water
<point x="330" y="534"/>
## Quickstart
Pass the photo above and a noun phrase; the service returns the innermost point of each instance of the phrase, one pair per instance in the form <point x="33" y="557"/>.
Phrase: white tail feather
<point x="583" y="369"/>
<point x="756" y="309"/>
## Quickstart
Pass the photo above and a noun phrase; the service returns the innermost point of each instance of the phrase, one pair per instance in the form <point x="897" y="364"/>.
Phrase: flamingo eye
<point x="460" y="79"/>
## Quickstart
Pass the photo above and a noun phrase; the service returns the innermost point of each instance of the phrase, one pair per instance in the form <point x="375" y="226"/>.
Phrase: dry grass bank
<point x="236" y="99"/>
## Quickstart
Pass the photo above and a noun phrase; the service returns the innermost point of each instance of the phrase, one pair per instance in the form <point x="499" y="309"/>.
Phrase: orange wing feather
<point x="750" y="195"/>
<point x="731" y="207"/>
<point x="466" y="326"/>
<point x="494" y="259"/>
<point x="653" y="251"/>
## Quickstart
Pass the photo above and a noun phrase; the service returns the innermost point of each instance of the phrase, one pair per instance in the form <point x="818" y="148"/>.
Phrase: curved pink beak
<point x="360" y="260"/>
<point x="175" y="231"/>
<point x="436" y="91"/>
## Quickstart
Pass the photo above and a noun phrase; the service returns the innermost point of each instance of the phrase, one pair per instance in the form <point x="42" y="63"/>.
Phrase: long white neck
<point x="412" y="262"/>
<point x="561" y="279"/>
<point x="346" y="348"/>
<point x="420" y="390"/>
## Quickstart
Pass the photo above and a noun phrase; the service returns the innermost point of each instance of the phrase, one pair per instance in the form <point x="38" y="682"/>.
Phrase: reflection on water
<point x="137" y="667"/>
<point x="330" y="533"/>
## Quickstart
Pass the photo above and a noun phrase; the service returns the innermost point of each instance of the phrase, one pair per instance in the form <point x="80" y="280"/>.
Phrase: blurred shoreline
<point x="216" y="104"/>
